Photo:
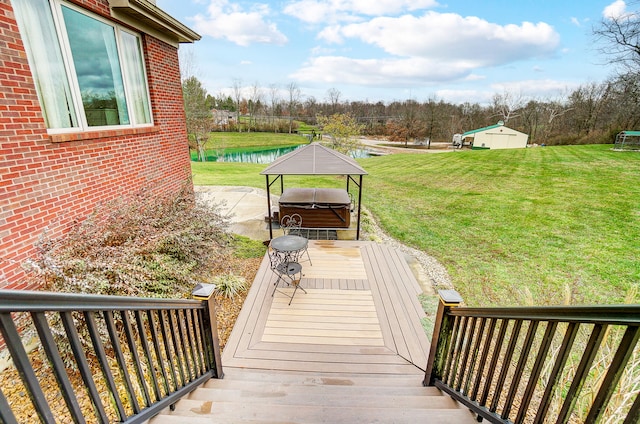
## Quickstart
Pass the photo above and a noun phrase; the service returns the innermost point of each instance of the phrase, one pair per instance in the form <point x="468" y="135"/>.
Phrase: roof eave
<point x="151" y="15"/>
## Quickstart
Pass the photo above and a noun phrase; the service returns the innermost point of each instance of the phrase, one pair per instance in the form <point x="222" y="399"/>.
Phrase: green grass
<point x="246" y="248"/>
<point x="248" y="174"/>
<point x="229" y="140"/>
<point x="512" y="227"/>
<point x="518" y="226"/>
<point x="234" y="142"/>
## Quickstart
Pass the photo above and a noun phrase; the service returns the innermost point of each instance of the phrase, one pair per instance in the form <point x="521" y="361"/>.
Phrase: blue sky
<point x="386" y="50"/>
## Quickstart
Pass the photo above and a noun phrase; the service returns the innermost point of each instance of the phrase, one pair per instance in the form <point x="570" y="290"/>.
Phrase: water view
<point x="264" y="156"/>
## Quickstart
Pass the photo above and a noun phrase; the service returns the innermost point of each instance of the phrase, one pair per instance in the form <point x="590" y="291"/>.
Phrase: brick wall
<point x="47" y="182"/>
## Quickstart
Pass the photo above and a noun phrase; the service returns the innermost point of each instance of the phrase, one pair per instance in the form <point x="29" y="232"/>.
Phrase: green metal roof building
<point x="496" y="137"/>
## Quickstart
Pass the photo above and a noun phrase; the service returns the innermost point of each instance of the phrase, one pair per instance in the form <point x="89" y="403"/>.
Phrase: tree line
<point x="591" y="113"/>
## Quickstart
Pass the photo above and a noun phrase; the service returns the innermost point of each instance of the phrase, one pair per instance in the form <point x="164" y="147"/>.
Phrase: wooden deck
<point x="360" y="315"/>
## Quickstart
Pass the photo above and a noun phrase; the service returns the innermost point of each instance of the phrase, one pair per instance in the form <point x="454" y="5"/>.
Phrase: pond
<point x="259" y="155"/>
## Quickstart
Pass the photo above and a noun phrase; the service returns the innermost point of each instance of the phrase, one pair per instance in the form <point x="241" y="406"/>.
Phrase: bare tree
<point x="274" y="96"/>
<point x="198" y="115"/>
<point x="237" y="96"/>
<point x="292" y="103"/>
<point x="188" y="63"/>
<point x="255" y="102"/>
<point x="588" y="101"/>
<point x="507" y="105"/>
<point x="333" y="96"/>
<point x="619" y="37"/>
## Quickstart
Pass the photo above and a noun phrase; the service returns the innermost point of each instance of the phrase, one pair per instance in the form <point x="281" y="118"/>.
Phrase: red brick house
<point x="90" y="109"/>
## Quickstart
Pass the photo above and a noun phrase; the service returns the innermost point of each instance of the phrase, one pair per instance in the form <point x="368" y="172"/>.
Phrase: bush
<point x="229" y="285"/>
<point x="146" y="245"/>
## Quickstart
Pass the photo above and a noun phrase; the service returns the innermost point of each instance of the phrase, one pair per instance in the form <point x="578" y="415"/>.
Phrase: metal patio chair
<point x="292" y="225"/>
<point x="288" y="271"/>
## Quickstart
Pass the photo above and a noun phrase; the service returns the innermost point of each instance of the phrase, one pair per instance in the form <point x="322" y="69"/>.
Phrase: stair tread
<point x="311" y="398"/>
<point x="345" y="387"/>
<point x="260" y="413"/>
<point x="236" y="374"/>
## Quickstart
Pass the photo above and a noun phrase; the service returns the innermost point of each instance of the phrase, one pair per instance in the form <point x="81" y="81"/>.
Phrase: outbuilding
<point x="496" y="136"/>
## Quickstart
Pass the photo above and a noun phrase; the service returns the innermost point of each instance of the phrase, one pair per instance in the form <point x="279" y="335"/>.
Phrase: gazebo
<point x="313" y="159"/>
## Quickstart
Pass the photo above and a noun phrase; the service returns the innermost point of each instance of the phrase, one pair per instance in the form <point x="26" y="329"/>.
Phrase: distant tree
<point x="395" y="131"/>
<point x="507" y="105"/>
<point x="237" y="96"/>
<point x="274" y="97"/>
<point x="333" y="96"/>
<point x="588" y="102"/>
<point x="411" y="121"/>
<point x="198" y="115"/>
<point x="618" y="35"/>
<point x="342" y="131"/>
<point x="292" y="102"/>
<point x="224" y="102"/>
<point x="254" y="104"/>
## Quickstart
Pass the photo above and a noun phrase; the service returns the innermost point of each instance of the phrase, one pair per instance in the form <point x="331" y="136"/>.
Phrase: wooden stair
<point x="265" y="396"/>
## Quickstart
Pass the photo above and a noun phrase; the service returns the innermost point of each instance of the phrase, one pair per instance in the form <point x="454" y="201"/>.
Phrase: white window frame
<point x="72" y="76"/>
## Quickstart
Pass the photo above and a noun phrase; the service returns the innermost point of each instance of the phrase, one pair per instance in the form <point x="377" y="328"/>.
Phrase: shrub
<point x="143" y="245"/>
<point x="229" y="285"/>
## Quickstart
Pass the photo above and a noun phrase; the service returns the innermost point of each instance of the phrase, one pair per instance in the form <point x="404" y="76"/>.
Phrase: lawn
<point x="229" y="140"/>
<point x="257" y="142"/>
<point x="513" y="227"/>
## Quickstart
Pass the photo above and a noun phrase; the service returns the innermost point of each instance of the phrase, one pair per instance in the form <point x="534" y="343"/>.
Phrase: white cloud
<point x="229" y="21"/>
<point x="431" y="49"/>
<point x="615" y="10"/>
<point x="331" y="11"/>
<point x="542" y="89"/>
<point x="463" y="96"/>
<point x="331" y="34"/>
<point x="378" y="72"/>
<point x="534" y="88"/>
<point x="450" y="36"/>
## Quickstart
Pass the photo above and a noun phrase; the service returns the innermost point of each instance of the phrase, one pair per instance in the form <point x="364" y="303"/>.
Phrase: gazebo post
<point x="269" y="208"/>
<point x="359" y="207"/>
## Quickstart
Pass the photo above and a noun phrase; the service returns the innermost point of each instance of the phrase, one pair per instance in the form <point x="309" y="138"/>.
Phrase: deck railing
<point x="542" y="364"/>
<point x="130" y="357"/>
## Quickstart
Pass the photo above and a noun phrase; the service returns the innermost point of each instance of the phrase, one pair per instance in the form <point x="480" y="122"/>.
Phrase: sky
<point x="396" y="50"/>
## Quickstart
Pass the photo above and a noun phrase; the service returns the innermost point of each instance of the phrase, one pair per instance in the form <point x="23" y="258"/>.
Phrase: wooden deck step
<point x="250" y="396"/>
<point x="329" y="379"/>
<point x="290" y="414"/>
<point x="265" y="413"/>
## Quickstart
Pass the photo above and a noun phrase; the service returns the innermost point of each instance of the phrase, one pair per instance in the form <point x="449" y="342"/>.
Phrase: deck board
<point x="361" y="314"/>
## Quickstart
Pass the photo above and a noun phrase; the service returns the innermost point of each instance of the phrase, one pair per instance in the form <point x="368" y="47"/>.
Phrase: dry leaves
<point x="17" y="395"/>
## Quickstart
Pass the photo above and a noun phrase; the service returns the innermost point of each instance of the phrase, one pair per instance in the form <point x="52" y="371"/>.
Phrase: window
<point x="88" y="72"/>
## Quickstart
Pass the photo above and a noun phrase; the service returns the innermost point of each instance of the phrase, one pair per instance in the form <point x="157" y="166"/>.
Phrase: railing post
<point x="441" y="338"/>
<point x="204" y="292"/>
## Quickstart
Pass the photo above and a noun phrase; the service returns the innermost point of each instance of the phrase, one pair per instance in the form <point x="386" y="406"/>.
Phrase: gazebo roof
<point x="314" y="159"/>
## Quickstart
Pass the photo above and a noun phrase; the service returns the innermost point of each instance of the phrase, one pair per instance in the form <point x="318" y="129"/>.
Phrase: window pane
<point x="135" y="77"/>
<point x="95" y="57"/>
<point x="45" y="60"/>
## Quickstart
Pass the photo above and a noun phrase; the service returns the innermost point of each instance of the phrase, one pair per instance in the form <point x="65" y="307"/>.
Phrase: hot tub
<point x="318" y="207"/>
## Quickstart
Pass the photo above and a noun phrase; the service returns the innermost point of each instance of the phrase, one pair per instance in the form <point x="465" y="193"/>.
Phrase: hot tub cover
<point x="315" y="197"/>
